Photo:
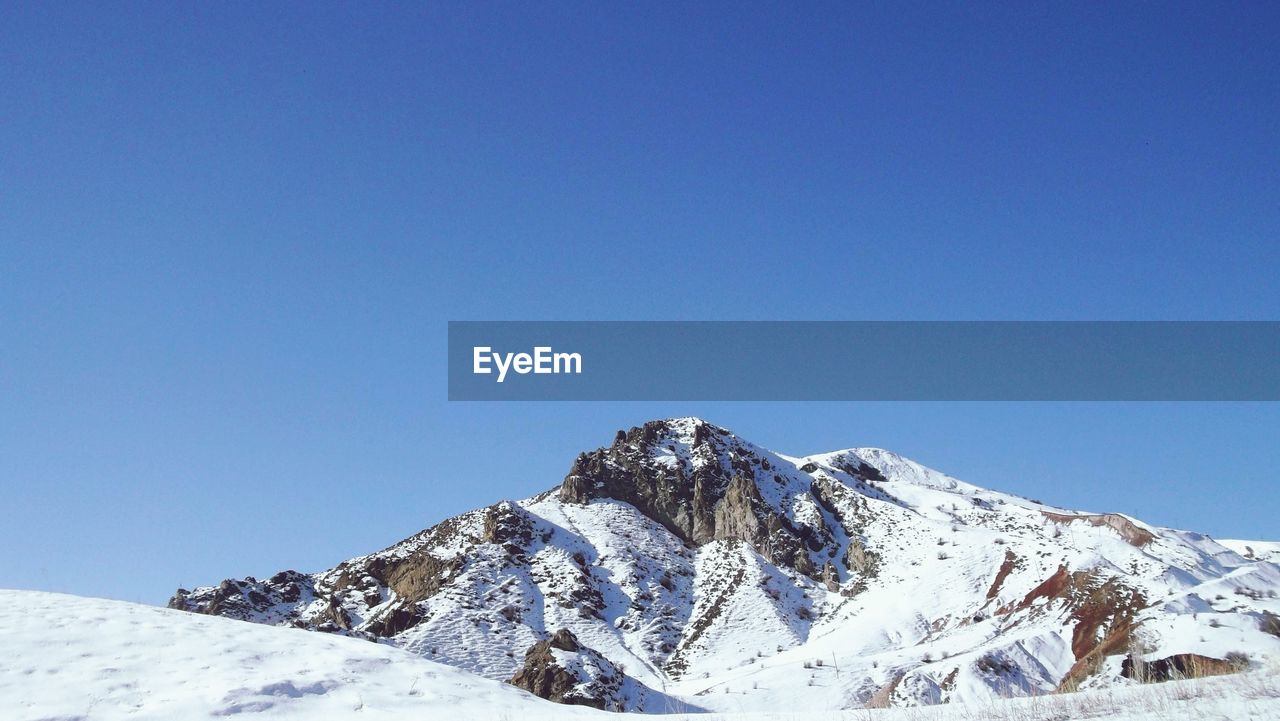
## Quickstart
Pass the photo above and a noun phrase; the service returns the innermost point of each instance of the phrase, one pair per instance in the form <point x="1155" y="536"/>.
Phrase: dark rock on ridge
<point x="585" y="678"/>
<point x="716" y="497"/>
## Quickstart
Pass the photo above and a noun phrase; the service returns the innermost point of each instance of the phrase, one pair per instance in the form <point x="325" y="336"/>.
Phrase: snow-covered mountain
<point x="684" y="568"/>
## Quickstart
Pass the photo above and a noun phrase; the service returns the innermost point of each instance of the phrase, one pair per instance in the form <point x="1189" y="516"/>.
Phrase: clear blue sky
<point x="231" y="236"/>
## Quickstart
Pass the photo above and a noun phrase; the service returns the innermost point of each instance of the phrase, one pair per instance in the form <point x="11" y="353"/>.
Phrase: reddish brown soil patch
<point x="883" y="696"/>
<point x="1052" y="587"/>
<point x="1005" y="569"/>
<point x="1103" y="610"/>
<point x="949" y="682"/>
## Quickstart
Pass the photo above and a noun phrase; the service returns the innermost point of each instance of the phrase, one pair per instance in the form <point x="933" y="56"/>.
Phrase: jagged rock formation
<point x="683" y="558"/>
<point x="714" y="494"/>
<point x="575" y="675"/>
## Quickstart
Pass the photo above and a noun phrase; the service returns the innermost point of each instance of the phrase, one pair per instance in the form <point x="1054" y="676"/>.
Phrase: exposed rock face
<point x="242" y="599"/>
<point x="712" y="493"/>
<point x="562" y="670"/>
<point x="1102" y="609"/>
<point x="1006" y="567"/>
<point x="681" y="495"/>
<point x="737" y="515"/>
<point x="858" y="468"/>
<point x="1128" y="530"/>
<point x="1180" y="665"/>
<point x="384" y="590"/>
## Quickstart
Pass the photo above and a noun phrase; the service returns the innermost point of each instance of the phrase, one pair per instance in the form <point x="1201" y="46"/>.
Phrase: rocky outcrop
<point x="245" y="598"/>
<point x="418" y="577"/>
<point x="737" y="514"/>
<point x="343" y="599"/>
<point x="681" y="496"/>
<point x="1131" y="532"/>
<point x="1180" y="665"/>
<point x="859" y="469"/>
<point x="507" y="525"/>
<point x="1103" y="610"/>
<point x="1006" y="567"/>
<point x="561" y="669"/>
<point x="712" y="494"/>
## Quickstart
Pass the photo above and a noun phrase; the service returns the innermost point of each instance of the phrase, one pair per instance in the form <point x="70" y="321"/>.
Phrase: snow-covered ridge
<point x="1254" y="550"/>
<point x="712" y="573"/>
<point x="68" y="657"/>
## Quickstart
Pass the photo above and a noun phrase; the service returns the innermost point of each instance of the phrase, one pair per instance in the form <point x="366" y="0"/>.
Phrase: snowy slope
<point x="67" y="657"/>
<point x="712" y="574"/>
<point x="92" y="660"/>
<point x="1254" y="550"/>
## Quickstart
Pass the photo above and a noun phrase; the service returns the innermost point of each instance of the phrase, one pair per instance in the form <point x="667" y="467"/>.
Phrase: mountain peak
<point x="683" y="558"/>
<point x="677" y="472"/>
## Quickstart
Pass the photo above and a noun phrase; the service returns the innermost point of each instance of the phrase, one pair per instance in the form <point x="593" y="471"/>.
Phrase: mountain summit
<point x="684" y="568"/>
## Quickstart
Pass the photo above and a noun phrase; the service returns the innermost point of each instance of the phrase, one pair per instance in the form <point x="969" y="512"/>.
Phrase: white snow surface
<point x="1259" y="550"/>
<point x="69" y="657"/>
